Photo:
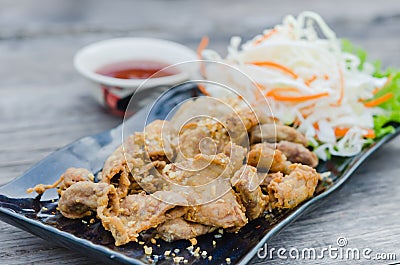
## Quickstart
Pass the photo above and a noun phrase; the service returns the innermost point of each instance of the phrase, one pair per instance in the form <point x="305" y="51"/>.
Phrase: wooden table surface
<point x="45" y="104"/>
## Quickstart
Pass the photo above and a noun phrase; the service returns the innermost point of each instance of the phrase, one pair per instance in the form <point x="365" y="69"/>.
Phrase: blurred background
<point x="45" y="103"/>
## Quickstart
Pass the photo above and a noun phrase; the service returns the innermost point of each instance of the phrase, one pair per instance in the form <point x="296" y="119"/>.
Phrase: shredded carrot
<point x="370" y="134"/>
<point x="307" y="111"/>
<point x="326" y="77"/>
<point x="378" y="101"/>
<point x="296" y="122"/>
<point x="277" y="66"/>
<point x="388" y="81"/>
<point x="265" y="36"/>
<point x="309" y="81"/>
<point x="259" y="86"/>
<point x="282" y="89"/>
<point x="341" y="95"/>
<point x="203" y="89"/>
<point x="341" y="86"/>
<point x="340" y="132"/>
<point x="301" y="98"/>
<point x="202" y="45"/>
<point x="258" y="94"/>
<point x="376" y="90"/>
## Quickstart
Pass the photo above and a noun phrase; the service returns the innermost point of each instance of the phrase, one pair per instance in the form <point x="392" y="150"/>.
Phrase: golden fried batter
<point x="263" y="157"/>
<point x="290" y="190"/>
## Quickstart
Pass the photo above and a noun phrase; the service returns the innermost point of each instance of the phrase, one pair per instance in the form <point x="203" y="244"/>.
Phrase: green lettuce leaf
<point x="392" y="106"/>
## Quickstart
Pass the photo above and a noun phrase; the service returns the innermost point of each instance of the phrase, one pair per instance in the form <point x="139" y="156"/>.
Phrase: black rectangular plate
<point x="36" y="214"/>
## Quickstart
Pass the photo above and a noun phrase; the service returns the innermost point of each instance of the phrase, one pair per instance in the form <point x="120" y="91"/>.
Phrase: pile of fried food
<point x="215" y="164"/>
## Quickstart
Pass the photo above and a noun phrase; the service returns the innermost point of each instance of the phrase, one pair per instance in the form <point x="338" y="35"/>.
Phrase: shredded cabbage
<point x="313" y="82"/>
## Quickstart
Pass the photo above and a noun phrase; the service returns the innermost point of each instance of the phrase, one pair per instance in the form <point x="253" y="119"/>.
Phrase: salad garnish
<point x="316" y="82"/>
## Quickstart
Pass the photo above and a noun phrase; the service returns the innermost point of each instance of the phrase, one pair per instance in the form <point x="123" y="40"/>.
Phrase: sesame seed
<point x="197" y="250"/>
<point x="148" y="250"/>
<point x="209" y="257"/>
<point x="155" y="258"/>
<point x="141" y="243"/>
<point x="190" y="248"/>
<point x="228" y="261"/>
<point x="167" y="252"/>
<point x="218" y="236"/>
<point x="178" y="259"/>
<point x="214" y="243"/>
<point x="193" y="241"/>
<point x="153" y="241"/>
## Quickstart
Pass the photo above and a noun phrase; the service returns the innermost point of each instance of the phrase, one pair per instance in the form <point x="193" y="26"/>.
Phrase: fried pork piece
<point x="275" y="133"/>
<point x="205" y="168"/>
<point x="160" y="140"/>
<point x="225" y="212"/>
<point x="238" y="124"/>
<point x="198" y="171"/>
<point x="128" y="156"/>
<point x="263" y="157"/>
<point x="292" y="189"/>
<point x="297" y="153"/>
<point x="203" y="135"/>
<point x="83" y="198"/>
<point x="140" y="212"/>
<point x="179" y="228"/>
<point x="205" y="107"/>
<point x="268" y="177"/>
<point x="247" y="184"/>
<point x="236" y="154"/>
<point x="130" y="169"/>
<point x="71" y="176"/>
<point x="207" y="132"/>
<point x="264" y="114"/>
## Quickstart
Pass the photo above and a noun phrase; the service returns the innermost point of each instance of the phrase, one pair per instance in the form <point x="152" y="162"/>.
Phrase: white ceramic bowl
<point x="94" y="56"/>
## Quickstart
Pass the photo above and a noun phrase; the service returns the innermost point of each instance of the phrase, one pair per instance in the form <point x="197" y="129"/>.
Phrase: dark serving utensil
<point x="38" y="215"/>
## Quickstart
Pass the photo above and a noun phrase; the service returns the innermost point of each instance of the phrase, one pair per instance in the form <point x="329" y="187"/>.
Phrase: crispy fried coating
<point x="225" y="212"/>
<point x="263" y="157"/>
<point x="273" y="133"/>
<point x="140" y="212"/>
<point x="83" y="198"/>
<point x="297" y="153"/>
<point x="179" y="228"/>
<point x="160" y="141"/>
<point x="71" y="176"/>
<point x="247" y="184"/>
<point x="294" y="188"/>
<point x="194" y="174"/>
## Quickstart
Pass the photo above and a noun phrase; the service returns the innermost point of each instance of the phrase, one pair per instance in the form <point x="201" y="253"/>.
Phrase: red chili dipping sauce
<point x="137" y="69"/>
